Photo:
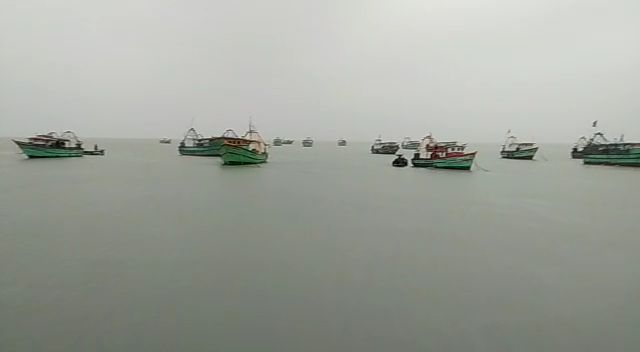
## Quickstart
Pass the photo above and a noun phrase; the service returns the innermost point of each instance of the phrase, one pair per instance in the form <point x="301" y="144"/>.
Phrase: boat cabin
<point x="67" y="141"/>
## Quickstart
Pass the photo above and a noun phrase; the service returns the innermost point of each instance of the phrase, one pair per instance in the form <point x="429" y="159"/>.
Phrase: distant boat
<point x="409" y="144"/>
<point x="342" y="142"/>
<point x="307" y="142"/>
<point x="51" y="145"/>
<point x="442" y="155"/>
<point x="512" y="149"/>
<point x="277" y="142"/>
<point x="95" y="151"/>
<point x="250" y="149"/>
<point x="165" y="140"/>
<point x="400" y="161"/>
<point x="380" y="147"/>
<point x="287" y="141"/>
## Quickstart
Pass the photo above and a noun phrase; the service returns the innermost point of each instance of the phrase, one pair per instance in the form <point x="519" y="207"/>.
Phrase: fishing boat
<point x="307" y="142"/>
<point x="52" y="145"/>
<point x="250" y="149"/>
<point x="512" y="149"/>
<point x="400" y="161"/>
<point x="342" y="142"/>
<point x="287" y="141"/>
<point x="618" y="153"/>
<point x="442" y="155"/>
<point x="584" y="145"/>
<point x="195" y="144"/>
<point x="578" y="148"/>
<point x="277" y="142"/>
<point x="165" y="141"/>
<point x="380" y="147"/>
<point x="409" y="144"/>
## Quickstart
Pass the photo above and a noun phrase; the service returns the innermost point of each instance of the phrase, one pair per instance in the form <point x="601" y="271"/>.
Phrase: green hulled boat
<point x="442" y="155"/>
<point x="512" y="149"/>
<point x="194" y="144"/>
<point x="463" y="162"/>
<point x="248" y="150"/>
<point x="51" y="145"/>
<point x="615" y="153"/>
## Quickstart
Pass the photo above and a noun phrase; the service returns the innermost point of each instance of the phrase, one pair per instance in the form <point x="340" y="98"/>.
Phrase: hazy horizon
<point x="465" y="70"/>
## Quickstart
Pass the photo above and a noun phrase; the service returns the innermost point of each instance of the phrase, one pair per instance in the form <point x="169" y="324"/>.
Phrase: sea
<point x="321" y="249"/>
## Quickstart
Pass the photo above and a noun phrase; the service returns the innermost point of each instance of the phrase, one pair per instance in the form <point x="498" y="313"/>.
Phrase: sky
<point x="460" y="69"/>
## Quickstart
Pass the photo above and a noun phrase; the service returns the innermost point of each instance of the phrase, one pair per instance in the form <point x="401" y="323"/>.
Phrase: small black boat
<point x="400" y="161"/>
<point x="95" y="151"/>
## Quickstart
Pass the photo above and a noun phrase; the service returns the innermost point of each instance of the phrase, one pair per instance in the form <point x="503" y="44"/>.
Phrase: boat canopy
<point x="230" y="134"/>
<point x="257" y="142"/>
<point x="67" y="138"/>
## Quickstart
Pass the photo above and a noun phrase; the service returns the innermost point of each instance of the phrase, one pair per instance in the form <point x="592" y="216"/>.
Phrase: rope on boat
<point x="480" y="167"/>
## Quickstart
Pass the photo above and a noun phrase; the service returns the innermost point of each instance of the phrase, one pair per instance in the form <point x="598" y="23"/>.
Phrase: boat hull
<point x="463" y="162"/>
<point x="93" y="152"/>
<point x="307" y="144"/>
<point x="385" y="150"/>
<point x="237" y="155"/>
<point x="35" y="151"/>
<point x="525" y="154"/>
<point x="577" y="155"/>
<point x="628" y="158"/>
<point x="213" y="149"/>
<point x="419" y="162"/>
<point x="411" y="145"/>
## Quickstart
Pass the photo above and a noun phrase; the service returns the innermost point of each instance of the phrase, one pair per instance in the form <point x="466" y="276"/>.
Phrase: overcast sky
<point x="463" y="69"/>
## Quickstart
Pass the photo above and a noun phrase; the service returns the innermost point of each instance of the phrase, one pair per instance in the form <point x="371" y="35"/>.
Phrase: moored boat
<point x="618" y="153"/>
<point x="583" y="146"/>
<point x="287" y="141"/>
<point x="165" y="140"/>
<point x="578" y="148"/>
<point x="442" y="155"/>
<point x="250" y="149"/>
<point x="51" y="145"/>
<point x="95" y="151"/>
<point x="380" y="147"/>
<point x="307" y="142"/>
<point x="342" y="142"/>
<point x="194" y="144"/>
<point x="400" y="161"/>
<point x="512" y="149"/>
<point x="277" y="142"/>
<point x="409" y="144"/>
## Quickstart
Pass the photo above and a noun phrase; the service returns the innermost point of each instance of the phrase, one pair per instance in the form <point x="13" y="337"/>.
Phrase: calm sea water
<point x="321" y="249"/>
